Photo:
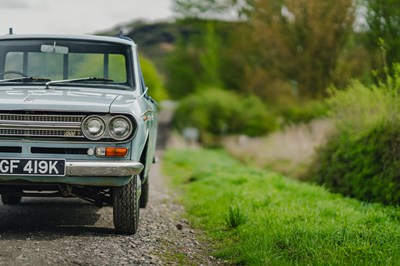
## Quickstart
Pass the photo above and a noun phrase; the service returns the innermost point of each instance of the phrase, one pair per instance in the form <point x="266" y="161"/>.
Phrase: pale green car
<point x="76" y="121"/>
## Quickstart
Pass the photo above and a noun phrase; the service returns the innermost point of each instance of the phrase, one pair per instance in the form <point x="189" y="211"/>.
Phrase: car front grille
<point x="41" y="125"/>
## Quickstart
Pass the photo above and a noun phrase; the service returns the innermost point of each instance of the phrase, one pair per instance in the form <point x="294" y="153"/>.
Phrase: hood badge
<point x="29" y="100"/>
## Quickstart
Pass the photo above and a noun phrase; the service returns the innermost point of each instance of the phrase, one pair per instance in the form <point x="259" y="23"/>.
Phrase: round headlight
<point x="93" y="127"/>
<point x="120" y="127"/>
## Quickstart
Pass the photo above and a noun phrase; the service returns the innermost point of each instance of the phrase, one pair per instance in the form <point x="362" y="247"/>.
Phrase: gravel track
<point x="73" y="232"/>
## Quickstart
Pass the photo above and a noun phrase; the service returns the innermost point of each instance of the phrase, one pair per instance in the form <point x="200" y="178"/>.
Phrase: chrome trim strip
<point x="35" y="133"/>
<point x="41" y="117"/>
<point x="36" y="124"/>
<point x="38" y="127"/>
<point x="103" y="168"/>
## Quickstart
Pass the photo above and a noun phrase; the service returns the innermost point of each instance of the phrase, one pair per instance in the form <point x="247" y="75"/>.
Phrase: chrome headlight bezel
<point x="128" y="123"/>
<point x="89" y="135"/>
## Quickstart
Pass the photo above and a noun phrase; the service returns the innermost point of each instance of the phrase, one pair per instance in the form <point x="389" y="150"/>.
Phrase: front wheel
<point x="144" y="197"/>
<point x="126" y="207"/>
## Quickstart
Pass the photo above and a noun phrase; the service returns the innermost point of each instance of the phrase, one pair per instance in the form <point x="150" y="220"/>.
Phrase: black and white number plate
<point x="32" y="167"/>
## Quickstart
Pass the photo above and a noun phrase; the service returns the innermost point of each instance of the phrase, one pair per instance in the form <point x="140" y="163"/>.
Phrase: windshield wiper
<point x="77" y="80"/>
<point x="26" y="79"/>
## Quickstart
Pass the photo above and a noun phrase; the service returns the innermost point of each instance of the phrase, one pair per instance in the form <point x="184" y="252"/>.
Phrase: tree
<point x="299" y="41"/>
<point x="210" y="58"/>
<point x="181" y="67"/>
<point x="383" y="18"/>
<point x="195" y="62"/>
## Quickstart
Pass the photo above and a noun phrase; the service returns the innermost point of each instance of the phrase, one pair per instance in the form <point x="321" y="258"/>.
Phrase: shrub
<point x="252" y="117"/>
<point x="360" y="108"/>
<point x="303" y="113"/>
<point x="217" y="112"/>
<point x="362" y="159"/>
<point x="366" y="167"/>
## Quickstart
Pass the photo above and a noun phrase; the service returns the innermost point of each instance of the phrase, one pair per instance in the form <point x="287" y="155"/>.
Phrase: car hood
<point x="57" y="100"/>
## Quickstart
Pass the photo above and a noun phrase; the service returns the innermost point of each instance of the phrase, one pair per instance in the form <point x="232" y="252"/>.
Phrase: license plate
<point x="32" y="167"/>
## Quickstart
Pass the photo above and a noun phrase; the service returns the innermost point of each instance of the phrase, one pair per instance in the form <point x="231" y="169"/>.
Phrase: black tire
<point x="126" y="207"/>
<point x="144" y="196"/>
<point x="11" y="199"/>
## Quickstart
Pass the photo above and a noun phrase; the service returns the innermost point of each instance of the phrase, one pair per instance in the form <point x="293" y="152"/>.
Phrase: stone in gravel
<point x="179" y="226"/>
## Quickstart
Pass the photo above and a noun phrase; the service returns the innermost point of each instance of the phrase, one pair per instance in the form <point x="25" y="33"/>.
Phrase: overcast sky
<point x="76" y="16"/>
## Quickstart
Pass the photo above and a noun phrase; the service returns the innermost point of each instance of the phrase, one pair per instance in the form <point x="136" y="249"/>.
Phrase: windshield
<point x="40" y="61"/>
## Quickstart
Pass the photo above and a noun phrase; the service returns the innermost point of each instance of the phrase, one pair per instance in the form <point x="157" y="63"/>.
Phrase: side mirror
<point x="144" y="93"/>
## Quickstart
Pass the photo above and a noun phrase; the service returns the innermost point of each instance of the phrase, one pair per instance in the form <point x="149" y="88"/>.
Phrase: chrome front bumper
<point x="103" y="168"/>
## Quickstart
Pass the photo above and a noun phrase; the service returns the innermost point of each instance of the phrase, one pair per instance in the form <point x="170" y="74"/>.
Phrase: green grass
<point x="257" y="217"/>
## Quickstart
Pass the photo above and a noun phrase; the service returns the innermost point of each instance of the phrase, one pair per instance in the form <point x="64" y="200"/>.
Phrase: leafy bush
<point x="295" y="113"/>
<point x="217" y="112"/>
<point x="366" y="167"/>
<point x="252" y="117"/>
<point x="360" y="108"/>
<point x="362" y="159"/>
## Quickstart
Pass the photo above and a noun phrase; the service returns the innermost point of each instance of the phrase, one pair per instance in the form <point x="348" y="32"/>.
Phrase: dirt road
<point x="73" y="232"/>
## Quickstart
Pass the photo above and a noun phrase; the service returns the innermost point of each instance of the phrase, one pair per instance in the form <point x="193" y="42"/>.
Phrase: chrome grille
<point x="41" y="125"/>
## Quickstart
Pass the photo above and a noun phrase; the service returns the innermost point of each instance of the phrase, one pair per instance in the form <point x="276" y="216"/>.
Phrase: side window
<point x="142" y="83"/>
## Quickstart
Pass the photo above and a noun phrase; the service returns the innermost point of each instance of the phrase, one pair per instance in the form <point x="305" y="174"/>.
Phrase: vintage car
<point x="76" y="121"/>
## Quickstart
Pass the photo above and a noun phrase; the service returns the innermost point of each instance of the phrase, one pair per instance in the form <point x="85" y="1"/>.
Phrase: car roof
<point x="117" y="40"/>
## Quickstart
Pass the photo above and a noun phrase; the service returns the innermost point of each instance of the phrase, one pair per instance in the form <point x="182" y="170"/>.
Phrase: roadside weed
<point x="235" y="216"/>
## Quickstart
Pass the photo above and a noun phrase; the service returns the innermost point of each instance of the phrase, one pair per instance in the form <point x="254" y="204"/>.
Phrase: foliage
<point x="303" y="113"/>
<point x="362" y="159"/>
<point x="153" y="80"/>
<point x="181" y="68"/>
<point x="279" y="48"/>
<point x="219" y="112"/>
<point x="298" y="41"/>
<point x="288" y="222"/>
<point x="355" y="61"/>
<point x="196" y="60"/>
<point x="365" y="167"/>
<point x="383" y="18"/>
<point x="359" y="108"/>
<point x="209" y="59"/>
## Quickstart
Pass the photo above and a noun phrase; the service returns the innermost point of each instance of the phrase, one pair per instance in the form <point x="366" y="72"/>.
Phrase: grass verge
<point x="257" y="217"/>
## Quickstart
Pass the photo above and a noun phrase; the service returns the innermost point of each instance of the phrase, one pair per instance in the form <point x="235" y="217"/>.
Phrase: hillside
<point x="156" y="40"/>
